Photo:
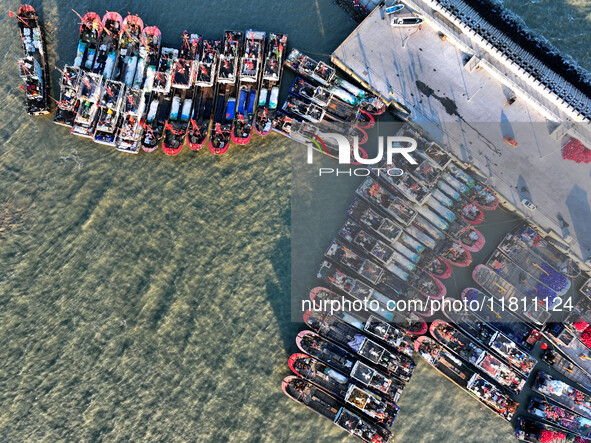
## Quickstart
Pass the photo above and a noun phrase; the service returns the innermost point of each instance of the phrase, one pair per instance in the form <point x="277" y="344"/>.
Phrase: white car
<point x="529" y="205"/>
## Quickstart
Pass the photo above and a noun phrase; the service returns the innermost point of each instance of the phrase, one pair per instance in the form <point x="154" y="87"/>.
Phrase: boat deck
<point x="458" y="95"/>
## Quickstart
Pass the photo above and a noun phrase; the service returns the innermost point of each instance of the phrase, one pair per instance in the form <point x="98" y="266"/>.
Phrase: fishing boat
<point x="456" y="254"/>
<point x="441" y="210"/>
<point x="65" y="111"/>
<point x="456" y="184"/>
<point x="156" y="116"/>
<point x="339" y="279"/>
<point x="470" y="351"/>
<point x="325" y="75"/>
<point x="149" y="53"/>
<point x="472" y="239"/>
<point x="159" y="105"/>
<point x="376" y="275"/>
<point x="367" y="402"/>
<point x="183" y="79"/>
<point x="205" y="94"/>
<point x="353" y="233"/>
<point x="485" y="197"/>
<point x="345" y="113"/>
<point x="579" y="320"/>
<point x="517" y="250"/>
<point x="559" y="416"/>
<point x="316" y="94"/>
<point x="448" y="191"/>
<point x="299" y="108"/>
<point x="348" y="324"/>
<point x="386" y="329"/>
<point x="473" y="383"/>
<point x="560" y="261"/>
<point x="249" y="75"/>
<point x="505" y="292"/>
<point x="429" y="150"/>
<point x="270" y="84"/>
<point x="562" y="393"/>
<point x="225" y="106"/>
<point x="468" y="323"/>
<point x="565" y="366"/>
<point x="404" y="184"/>
<point x="163" y="76"/>
<point x="406" y="21"/>
<point x="395" y="207"/>
<point x="88" y="94"/>
<point x="330" y="407"/>
<point x="90" y="30"/>
<point x="568" y="343"/>
<point x="501" y="319"/>
<point x="386" y="228"/>
<point x="322" y="375"/>
<point x="472" y="214"/>
<point x="129" y="135"/>
<point x="129" y="45"/>
<point x="339" y="253"/>
<point x="304" y="65"/>
<point x="535" y="431"/>
<point x="33" y="66"/>
<point x="399" y="365"/>
<point x="522" y="281"/>
<point x="348" y="364"/>
<point x="110" y="102"/>
<point x="112" y="27"/>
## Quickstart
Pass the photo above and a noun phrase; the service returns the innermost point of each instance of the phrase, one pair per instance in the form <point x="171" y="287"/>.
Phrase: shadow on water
<point x="580" y="211"/>
<point x="279" y="293"/>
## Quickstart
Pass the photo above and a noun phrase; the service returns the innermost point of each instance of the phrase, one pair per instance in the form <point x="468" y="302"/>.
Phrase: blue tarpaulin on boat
<point x="230" y="108"/>
<point x="251" y="101"/>
<point x="242" y="101"/>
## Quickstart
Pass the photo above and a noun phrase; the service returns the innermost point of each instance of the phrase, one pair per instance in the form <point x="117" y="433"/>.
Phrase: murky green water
<point x="147" y="298"/>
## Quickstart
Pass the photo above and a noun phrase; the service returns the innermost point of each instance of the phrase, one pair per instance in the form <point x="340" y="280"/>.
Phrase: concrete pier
<point x="469" y="97"/>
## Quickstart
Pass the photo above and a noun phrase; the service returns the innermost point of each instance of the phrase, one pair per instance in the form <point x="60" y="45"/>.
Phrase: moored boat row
<point x="208" y="91"/>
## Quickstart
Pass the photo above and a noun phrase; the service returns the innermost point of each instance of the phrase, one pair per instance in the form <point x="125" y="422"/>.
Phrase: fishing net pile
<point x="550" y="436"/>
<point x="585" y="329"/>
<point x="553" y="279"/>
<point x="576" y="151"/>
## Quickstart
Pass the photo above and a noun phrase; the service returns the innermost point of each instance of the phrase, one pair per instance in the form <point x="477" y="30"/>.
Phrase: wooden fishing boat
<point x="110" y="102"/>
<point x="129" y="45"/>
<point x="225" y="105"/>
<point x="471" y="352"/>
<point x="65" y="111"/>
<point x="563" y="393"/>
<point x="271" y="83"/>
<point x="158" y="108"/>
<point x="249" y="75"/>
<point x="149" y="55"/>
<point x="183" y="79"/>
<point x="106" y="57"/>
<point x="535" y="431"/>
<point x="129" y="134"/>
<point x="330" y="407"/>
<point x="348" y="364"/>
<point x="206" y="91"/>
<point x="33" y="69"/>
<point x="386" y="328"/>
<point x="368" y="403"/>
<point x="90" y="30"/>
<point x="466" y="378"/>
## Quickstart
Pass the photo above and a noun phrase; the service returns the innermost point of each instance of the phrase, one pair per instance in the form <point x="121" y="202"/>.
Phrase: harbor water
<point x="147" y="298"/>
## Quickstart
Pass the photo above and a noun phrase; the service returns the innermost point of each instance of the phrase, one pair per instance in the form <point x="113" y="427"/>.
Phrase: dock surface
<point x="459" y="95"/>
